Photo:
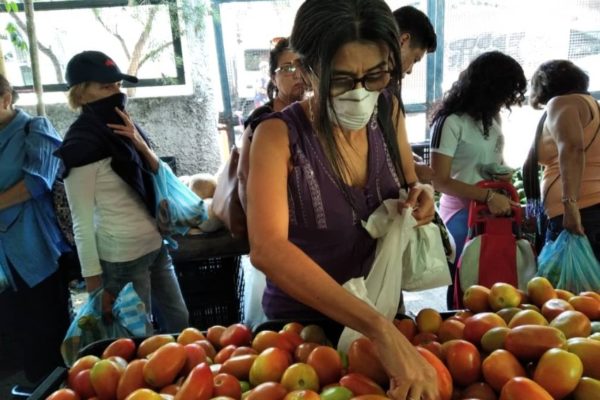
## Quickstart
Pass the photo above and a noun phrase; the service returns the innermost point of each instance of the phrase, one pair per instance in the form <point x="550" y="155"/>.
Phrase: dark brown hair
<point x="555" y="78"/>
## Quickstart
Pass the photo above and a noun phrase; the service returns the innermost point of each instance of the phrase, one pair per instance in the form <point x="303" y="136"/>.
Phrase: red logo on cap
<point x="109" y="63"/>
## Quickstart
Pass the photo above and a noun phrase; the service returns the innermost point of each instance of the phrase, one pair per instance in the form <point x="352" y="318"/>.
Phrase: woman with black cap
<point x="108" y="180"/>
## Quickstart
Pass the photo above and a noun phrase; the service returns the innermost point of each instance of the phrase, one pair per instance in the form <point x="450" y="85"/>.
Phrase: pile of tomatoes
<point x="541" y="344"/>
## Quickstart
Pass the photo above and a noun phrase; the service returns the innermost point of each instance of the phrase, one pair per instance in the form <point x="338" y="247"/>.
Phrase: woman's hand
<point x="94" y="282"/>
<point x="411" y="376"/>
<point x="500" y="205"/>
<point x="420" y="198"/>
<point x="572" y="219"/>
<point x="129" y="130"/>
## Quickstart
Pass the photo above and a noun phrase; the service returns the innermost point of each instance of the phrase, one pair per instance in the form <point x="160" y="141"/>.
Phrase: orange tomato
<point x="293" y="327"/>
<point x="302" y="395"/>
<point x="503" y="295"/>
<point x="476" y="298"/>
<point x="451" y="329"/>
<point x="500" y="367"/>
<point x="303" y="351"/>
<point x="300" y="376"/>
<point x="588" y="351"/>
<point x="428" y="320"/>
<point x="239" y="366"/>
<point x="563" y="294"/>
<point x="152" y="343"/>
<point x="105" y="376"/>
<point x="164" y="365"/>
<point x="463" y="361"/>
<point x="269" y="366"/>
<point x="559" y="372"/>
<point x="327" y="363"/>
<point x="190" y="335"/>
<point x="132" y="379"/>
<point x="494" y="339"/>
<point x="194" y="355"/>
<point x="573" y="324"/>
<point x="444" y="379"/>
<point x="540" y="290"/>
<point x="237" y="335"/>
<point x="213" y="334"/>
<point x="63" y="394"/>
<point x="224" y="354"/>
<point x="521" y="388"/>
<point x="588" y="305"/>
<point x="527" y="317"/>
<point x="587" y="389"/>
<point x="529" y="342"/>
<point x="144" y="394"/>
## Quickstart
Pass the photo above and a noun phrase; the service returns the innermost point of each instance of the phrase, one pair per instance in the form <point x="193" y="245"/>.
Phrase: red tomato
<point x="236" y="334"/>
<point x="267" y="391"/>
<point x="239" y="366"/>
<point x="327" y="363"/>
<point x="521" y="388"/>
<point x="82" y="384"/>
<point x="224" y="353"/>
<point x="362" y="358"/>
<point x="227" y="385"/>
<point x="85" y="362"/>
<point x="444" y="379"/>
<point x="359" y="384"/>
<point x="463" y="361"/>
<point x="122" y="347"/>
<point x="198" y="385"/>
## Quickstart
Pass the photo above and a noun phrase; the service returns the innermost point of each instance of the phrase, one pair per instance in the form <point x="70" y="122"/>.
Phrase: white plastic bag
<point x="383" y="286"/>
<point x="425" y="264"/>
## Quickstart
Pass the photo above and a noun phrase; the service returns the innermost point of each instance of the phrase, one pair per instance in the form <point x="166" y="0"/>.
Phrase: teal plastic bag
<point x="569" y="263"/>
<point x="4" y="283"/>
<point x="129" y="320"/>
<point x="178" y="208"/>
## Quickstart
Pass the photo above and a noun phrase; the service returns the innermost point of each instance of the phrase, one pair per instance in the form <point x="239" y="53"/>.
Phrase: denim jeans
<point x="154" y="280"/>
<point x="590" y="219"/>
<point x="458" y="227"/>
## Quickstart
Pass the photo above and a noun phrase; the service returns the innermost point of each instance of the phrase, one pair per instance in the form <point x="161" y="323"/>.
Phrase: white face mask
<point x="353" y="108"/>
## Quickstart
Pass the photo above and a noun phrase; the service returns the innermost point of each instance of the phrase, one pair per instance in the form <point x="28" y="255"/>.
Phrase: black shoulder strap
<point x="384" y="118"/>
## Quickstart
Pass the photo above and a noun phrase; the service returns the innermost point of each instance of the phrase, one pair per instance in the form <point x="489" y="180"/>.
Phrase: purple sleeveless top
<point x="322" y="222"/>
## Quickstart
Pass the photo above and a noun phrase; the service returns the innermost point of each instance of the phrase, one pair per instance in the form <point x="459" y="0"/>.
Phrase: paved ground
<point x="10" y="365"/>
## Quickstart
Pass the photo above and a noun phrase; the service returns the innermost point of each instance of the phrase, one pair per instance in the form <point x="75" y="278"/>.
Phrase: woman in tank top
<point x="322" y="165"/>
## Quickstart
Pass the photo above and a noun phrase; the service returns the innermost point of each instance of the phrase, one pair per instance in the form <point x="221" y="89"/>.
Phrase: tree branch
<point x="115" y="34"/>
<point x="136" y="56"/>
<point x="46" y="50"/>
<point x="153" y="53"/>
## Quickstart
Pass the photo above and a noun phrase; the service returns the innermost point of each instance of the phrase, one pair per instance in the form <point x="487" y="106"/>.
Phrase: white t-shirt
<point x="462" y="139"/>
<point x="110" y="221"/>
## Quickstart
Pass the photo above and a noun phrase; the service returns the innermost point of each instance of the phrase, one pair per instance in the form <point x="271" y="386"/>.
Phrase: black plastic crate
<point x="213" y="290"/>
<point x="422" y="150"/>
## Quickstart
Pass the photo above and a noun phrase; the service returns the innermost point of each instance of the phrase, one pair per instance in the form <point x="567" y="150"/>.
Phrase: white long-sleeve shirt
<point x="110" y="221"/>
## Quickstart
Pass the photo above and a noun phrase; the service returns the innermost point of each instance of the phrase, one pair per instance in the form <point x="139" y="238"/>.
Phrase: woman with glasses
<point x="284" y="88"/>
<point x="467" y="140"/>
<point x="323" y="165"/>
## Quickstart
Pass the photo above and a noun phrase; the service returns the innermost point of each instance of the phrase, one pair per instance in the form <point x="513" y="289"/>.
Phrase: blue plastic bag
<point x="129" y="320"/>
<point x="569" y="263"/>
<point x="178" y="208"/>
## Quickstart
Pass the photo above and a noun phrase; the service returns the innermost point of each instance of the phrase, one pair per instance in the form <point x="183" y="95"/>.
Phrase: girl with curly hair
<point x="467" y="140"/>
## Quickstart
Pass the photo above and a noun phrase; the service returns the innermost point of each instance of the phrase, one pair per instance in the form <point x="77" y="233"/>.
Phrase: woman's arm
<point x="564" y="123"/>
<point x="296" y="274"/>
<point x="421" y="199"/>
<point x="16" y="194"/>
<point x="80" y="186"/>
<point x="497" y="203"/>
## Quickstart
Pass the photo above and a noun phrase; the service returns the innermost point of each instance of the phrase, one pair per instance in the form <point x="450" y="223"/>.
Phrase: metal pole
<point x="33" y="54"/>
